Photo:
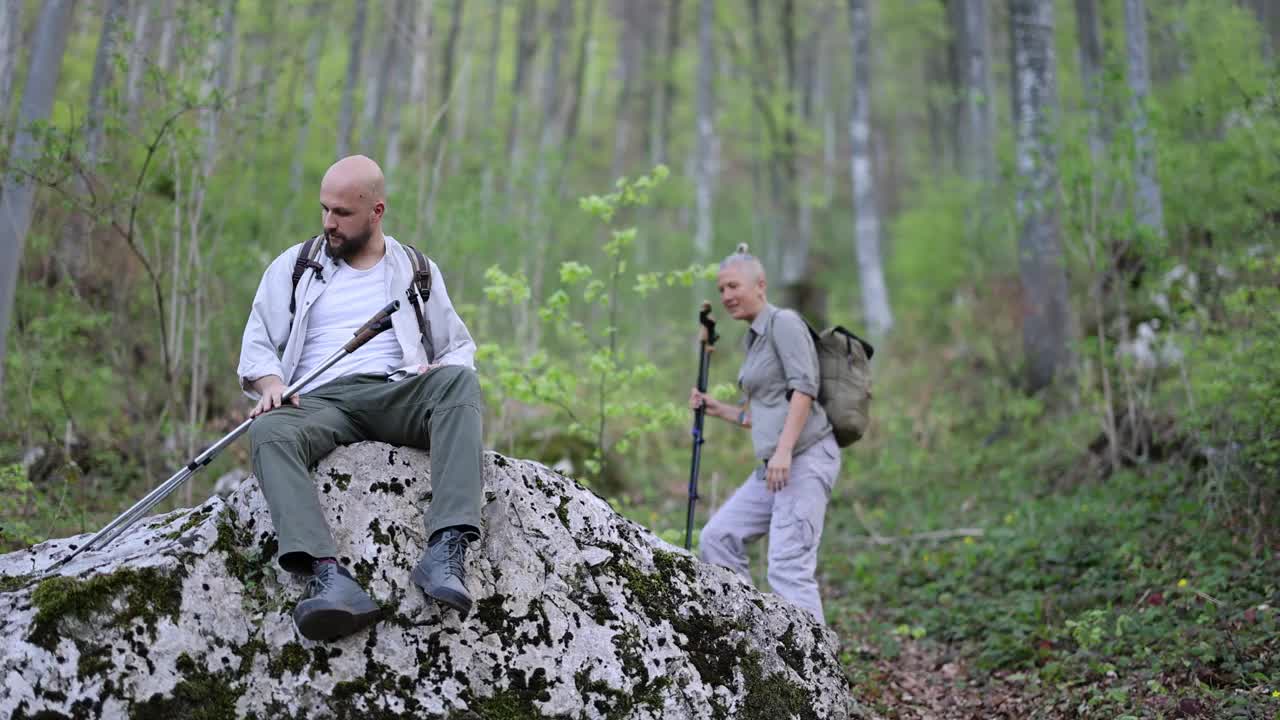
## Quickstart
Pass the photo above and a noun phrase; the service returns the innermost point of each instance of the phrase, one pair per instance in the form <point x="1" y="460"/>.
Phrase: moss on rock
<point x="772" y="696"/>
<point x="200" y="695"/>
<point x="148" y="594"/>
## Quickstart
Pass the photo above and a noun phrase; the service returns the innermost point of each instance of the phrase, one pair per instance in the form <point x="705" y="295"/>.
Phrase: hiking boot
<point x="440" y="573"/>
<point x="334" y="605"/>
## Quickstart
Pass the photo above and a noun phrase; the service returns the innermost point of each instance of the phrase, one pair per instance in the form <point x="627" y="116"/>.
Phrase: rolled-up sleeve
<point x="450" y="339"/>
<point x="797" y="353"/>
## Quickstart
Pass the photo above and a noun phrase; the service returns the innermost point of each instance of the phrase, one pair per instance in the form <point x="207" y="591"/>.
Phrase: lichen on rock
<point x="579" y="613"/>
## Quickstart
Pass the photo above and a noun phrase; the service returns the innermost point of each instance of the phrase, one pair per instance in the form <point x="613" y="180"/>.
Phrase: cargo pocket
<point x="793" y="533"/>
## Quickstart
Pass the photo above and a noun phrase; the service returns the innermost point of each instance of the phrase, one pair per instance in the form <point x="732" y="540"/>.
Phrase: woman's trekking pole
<point x="706" y="345"/>
<point x="115" y="528"/>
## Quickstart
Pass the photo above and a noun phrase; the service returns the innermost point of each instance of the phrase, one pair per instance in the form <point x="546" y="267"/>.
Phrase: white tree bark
<point x="139" y="56"/>
<point x="10" y="35"/>
<point x="866" y="231"/>
<point x="17" y="192"/>
<point x="1148" y="202"/>
<point x="979" y="126"/>
<point x="346" y="116"/>
<point x="706" y="167"/>
<point x="1047" y="311"/>
<point x="168" y="33"/>
<point x="103" y="67"/>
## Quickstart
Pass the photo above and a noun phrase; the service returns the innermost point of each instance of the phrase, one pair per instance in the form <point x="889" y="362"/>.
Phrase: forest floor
<point x="924" y="682"/>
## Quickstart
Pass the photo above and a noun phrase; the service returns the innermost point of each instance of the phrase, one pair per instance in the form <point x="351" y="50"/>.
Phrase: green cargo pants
<point x="439" y="411"/>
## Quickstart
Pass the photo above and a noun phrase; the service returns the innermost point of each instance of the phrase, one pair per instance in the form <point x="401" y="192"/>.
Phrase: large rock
<point x="579" y="614"/>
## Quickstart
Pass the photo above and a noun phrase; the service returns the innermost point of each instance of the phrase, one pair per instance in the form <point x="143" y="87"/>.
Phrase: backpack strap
<point x="419" y="291"/>
<point x="306" y="259"/>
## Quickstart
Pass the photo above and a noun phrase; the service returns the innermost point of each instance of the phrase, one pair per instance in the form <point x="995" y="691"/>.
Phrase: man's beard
<point x="350" y="245"/>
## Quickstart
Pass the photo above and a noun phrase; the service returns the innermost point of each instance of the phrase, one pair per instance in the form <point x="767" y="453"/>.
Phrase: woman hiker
<point x="786" y="495"/>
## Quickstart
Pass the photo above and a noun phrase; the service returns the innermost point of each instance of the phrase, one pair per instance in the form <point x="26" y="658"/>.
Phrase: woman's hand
<point x="778" y="471"/>
<point x="700" y="399"/>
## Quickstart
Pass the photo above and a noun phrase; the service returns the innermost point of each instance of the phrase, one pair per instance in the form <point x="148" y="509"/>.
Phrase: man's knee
<point x="269" y="427"/>
<point x="462" y="387"/>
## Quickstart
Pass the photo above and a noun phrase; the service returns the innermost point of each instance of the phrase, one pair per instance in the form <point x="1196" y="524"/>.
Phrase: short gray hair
<point x="741" y="255"/>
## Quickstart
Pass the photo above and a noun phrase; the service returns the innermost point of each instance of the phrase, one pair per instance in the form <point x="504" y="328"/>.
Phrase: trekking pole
<point x="115" y="528"/>
<point x="707" y="343"/>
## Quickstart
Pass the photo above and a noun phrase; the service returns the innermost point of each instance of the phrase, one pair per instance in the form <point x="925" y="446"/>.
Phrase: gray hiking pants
<point x="439" y="411"/>
<point x="792" y="517"/>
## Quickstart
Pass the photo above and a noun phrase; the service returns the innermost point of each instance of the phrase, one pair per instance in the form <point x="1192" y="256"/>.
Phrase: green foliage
<point x="596" y="389"/>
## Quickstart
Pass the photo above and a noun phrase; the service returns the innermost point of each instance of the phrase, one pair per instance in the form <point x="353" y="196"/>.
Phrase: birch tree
<point x="10" y="35"/>
<point x="1148" y="202"/>
<point x="866" y="228"/>
<point x="144" y="38"/>
<point x="977" y="127"/>
<point x="17" y="191"/>
<point x="706" y="140"/>
<point x="103" y="71"/>
<point x="1047" y="310"/>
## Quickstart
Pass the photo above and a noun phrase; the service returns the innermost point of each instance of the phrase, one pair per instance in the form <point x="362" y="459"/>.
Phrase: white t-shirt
<point x="353" y="296"/>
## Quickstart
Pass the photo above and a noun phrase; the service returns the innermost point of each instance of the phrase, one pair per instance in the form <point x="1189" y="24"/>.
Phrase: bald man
<point x="401" y="387"/>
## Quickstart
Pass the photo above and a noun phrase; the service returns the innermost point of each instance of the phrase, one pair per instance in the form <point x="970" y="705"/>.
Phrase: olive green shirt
<point x="771" y="371"/>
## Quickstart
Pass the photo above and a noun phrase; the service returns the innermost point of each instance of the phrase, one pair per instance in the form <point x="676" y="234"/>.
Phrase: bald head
<point x="353" y="198"/>
<point x="357" y="175"/>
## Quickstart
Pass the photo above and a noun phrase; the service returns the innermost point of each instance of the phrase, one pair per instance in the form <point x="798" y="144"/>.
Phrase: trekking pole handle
<point x="376" y="324"/>
<point x="708" y="332"/>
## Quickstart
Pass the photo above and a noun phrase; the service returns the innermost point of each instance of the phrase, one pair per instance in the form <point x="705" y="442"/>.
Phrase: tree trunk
<point x="103" y="67"/>
<point x="793" y="239"/>
<point x="419" y="94"/>
<point x="73" y="244"/>
<point x="168" y="33"/>
<point x="375" y="102"/>
<point x="346" y="115"/>
<point x="448" y="58"/>
<point x="667" y="96"/>
<point x="579" y="78"/>
<point x="1091" y="69"/>
<point x="1046" y="306"/>
<point x="441" y="133"/>
<point x="866" y="229"/>
<point x="489" y="103"/>
<point x="1269" y="22"/>
<point x="526" y="45"/>
<point x="978" y="127"/>
<point x="10" y="39"/>
<point x="17" y="192"/>
<point x="399" y="89"/>
<point x="144" y="38"/>
<point x="1148" y="204"/>
<point x="540" y="197"/>
<point x="630" y="51"/>
<point x="315" y="42"/>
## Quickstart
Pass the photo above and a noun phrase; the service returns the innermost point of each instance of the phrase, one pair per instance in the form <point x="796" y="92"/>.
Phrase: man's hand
<point x="778" y="471"/>
<point x="424" y="369"/>
<point x="272" y="388"/>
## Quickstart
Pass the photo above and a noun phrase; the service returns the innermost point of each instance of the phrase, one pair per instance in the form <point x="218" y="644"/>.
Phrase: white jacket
<point x="270" y="348"/>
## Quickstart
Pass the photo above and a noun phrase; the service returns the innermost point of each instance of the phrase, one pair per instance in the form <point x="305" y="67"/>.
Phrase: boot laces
<point x="321" y="579"/>
<point x="451" y="550"/>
